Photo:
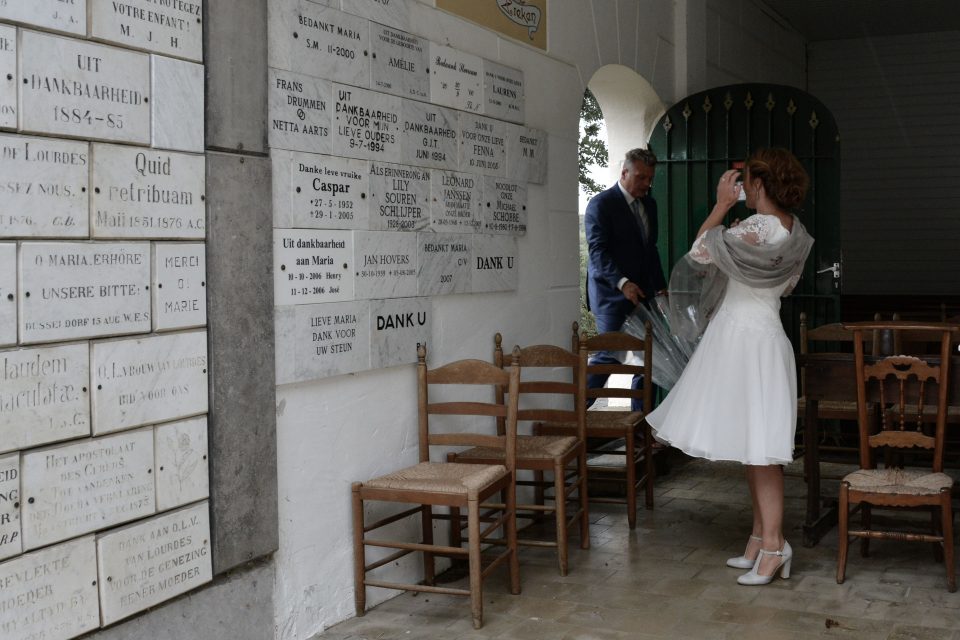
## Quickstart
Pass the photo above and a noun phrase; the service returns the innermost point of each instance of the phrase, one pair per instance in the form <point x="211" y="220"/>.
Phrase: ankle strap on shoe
<point x="772" y="553"/>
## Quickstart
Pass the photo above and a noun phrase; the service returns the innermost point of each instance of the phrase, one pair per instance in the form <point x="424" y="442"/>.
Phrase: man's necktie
<point x="641" y="215"/>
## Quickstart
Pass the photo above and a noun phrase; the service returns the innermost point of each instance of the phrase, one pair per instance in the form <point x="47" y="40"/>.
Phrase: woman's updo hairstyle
<point x="783" y="177"/>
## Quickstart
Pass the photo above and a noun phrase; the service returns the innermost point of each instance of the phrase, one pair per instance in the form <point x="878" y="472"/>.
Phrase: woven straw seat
<point x="914" y="482"/>
<point x="528" y="448"/>
<point x="827" y="406"/>
<point x="606" y="420"/>
<point x="441" y="477"/>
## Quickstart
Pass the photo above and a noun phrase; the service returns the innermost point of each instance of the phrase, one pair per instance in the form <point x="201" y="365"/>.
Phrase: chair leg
<point x="538" y="491"/>
<point x="560" y="513"/>
<point x="866" y="518"/>
<point x="512" y="544"/>
<point x="946" y="510"/>
<point x="842" y="528"/>
<point x="936" y="523"/>
<point x="426" y="523"/>
<point x="584" y="500"/>
<point x="359" y="557"/>
<point x="476" y="569"/>
<point x="649" y="471"/>
<point x="631" y="464"/>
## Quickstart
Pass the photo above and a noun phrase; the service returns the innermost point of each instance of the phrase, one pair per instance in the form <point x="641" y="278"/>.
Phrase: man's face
<point x="636" y="179"/>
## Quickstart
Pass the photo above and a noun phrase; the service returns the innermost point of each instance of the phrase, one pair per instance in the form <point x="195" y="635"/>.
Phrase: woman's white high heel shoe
<point x="743" y="562"/>
<point x="752" y="578"/>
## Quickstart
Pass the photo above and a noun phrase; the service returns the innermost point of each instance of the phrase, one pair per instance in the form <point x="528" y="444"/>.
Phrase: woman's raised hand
<point x="727" y="188"/>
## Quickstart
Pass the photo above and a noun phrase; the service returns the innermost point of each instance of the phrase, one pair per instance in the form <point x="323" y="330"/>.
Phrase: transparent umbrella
<point x="670" y="352"/>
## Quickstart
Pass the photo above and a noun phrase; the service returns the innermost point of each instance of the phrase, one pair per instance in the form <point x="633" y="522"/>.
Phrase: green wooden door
<point x="702" y="135"/>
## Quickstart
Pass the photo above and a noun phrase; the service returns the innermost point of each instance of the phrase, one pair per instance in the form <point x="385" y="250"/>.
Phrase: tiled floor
<point x="667" y="579"/>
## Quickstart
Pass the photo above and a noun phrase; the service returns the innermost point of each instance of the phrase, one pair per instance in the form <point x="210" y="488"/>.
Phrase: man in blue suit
<point x="624" y="267"/>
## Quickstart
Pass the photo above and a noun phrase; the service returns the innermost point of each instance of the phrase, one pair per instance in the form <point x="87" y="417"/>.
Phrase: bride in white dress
<point x="736" y="398"/>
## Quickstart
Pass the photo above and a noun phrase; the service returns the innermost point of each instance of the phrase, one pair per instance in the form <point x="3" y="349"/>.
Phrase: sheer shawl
<point x="697" y="288"/>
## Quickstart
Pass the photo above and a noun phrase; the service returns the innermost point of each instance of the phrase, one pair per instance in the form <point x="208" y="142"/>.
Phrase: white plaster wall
<point x="339" y="430"/>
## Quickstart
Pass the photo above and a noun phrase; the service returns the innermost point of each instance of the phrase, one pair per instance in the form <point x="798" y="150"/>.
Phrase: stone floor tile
<point x="908" y="632"/>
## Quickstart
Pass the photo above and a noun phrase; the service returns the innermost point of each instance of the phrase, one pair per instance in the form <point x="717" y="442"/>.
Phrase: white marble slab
<point x="456" y="78"/>
<point x="385" y="264"/>
<point x="146" y="563"/>
<point x="430" y="135"/>
<point x="181" y="462"/>
<point x="44" y="188"/>
<point x="299" y="112"/>
<point x="400" y="62"/>
<point x="177" y="105"/>
<point x="56" y="15"/>
<point x="60" y="585"/>
<point x="11" y="542"/>
<point x="89" y="485"/>
<point x="503" y="90"/>
<point x="397" y="328"/>
<point x="80" y="89"/>
<point x="318" y="40"/>
<point x="82" y="290"/>
<point x="44" y="395"/>
<point x="399" y="197"/>
<point x="395" y="13"/>
<point x="366" y="124"/>
<point x="312" y="191"/>
<point x="146" y="193"/>
<point x="443" y="263"/>
<point x="179" y="285"/>
<point x="495" y="266"/>
<point x="8" y="294"/>
<point x="173" y="28"/>
<point x="504" y="208"/>
<point x="483" y="147"/>
<point x="526" y="154"/>
<point x="322" y="340"/>
<point x="312" y="266"/>
<point x="147" y="380"/>
<point x="8" y="77"/>
<point x="455" y="201"/>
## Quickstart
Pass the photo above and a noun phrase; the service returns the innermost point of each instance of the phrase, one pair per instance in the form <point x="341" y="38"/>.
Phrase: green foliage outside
<point x="592" y="151"/>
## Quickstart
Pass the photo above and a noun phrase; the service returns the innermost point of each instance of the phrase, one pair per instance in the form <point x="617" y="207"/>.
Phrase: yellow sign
<point x="524" y="20"/>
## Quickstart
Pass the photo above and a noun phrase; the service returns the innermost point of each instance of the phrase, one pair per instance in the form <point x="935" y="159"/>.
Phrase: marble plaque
<point x="504" y="206"/>
<point x="311" y="191"/>
<point x="399" y="197"/>
<point x="179" y="285"/>
<point x="494" y="263"/>
<point x="526" y="154"/>
<point x="455" y="200"/>
<point x="395" y="13"/>
<point x="443" y="263"/>
<point x="456" y="78"/>
<point x="11" y="543"/>
<point x="43" y="395"/>
<point x="181" y="462"/>
<point x="171" y="27"/>
<point x="483" y="145"/>
<point x="366" y="124"/>
<point x="430" y="135"/>
<point x="82" y="290"/>
<point x="56" y="15"/>
<point x="8" y="77"/>
<point x="322" y="340"/>
<point x="8" y="294"/>
<point x="397" y="328"/>
<point x="177" y="106"/>
<point x="80" y="89"/>
<point x="146" y="563"/>
<point x="92" y="484"/>
<point x="59" y="585"/>
<point x="503" y="92"/>
<point x="44" y="188"/>
<point x="145" y="193"/>
<point x="312" y="266"/>
<point x="299" y="115"/>
<point x="306" y="37"/>
<point x="385" y="264"/>
<point x="400" y="62"/>
<point x="146" y="380"/>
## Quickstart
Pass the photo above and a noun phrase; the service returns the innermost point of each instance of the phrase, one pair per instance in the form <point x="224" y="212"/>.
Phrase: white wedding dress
<point x="737" y="397"/>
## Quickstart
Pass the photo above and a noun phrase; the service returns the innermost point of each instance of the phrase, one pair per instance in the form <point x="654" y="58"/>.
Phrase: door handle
<point x="835" y="269"/>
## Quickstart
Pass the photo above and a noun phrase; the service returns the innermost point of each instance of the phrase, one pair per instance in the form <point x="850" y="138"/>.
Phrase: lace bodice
<point x="758" y="229"/>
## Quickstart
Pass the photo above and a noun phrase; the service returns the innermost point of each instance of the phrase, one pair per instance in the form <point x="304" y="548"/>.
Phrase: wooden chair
<point x="903" y="382"/>
<point x="605" y="427"/>
<point x="462" y="486"/>
<point x="562" y="455"/>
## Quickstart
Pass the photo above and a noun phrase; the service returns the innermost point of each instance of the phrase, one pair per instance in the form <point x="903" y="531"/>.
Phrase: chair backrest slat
<point x="467" y="440"/>
<point x="467" y="409"/>
<point x="618" y="341"/>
